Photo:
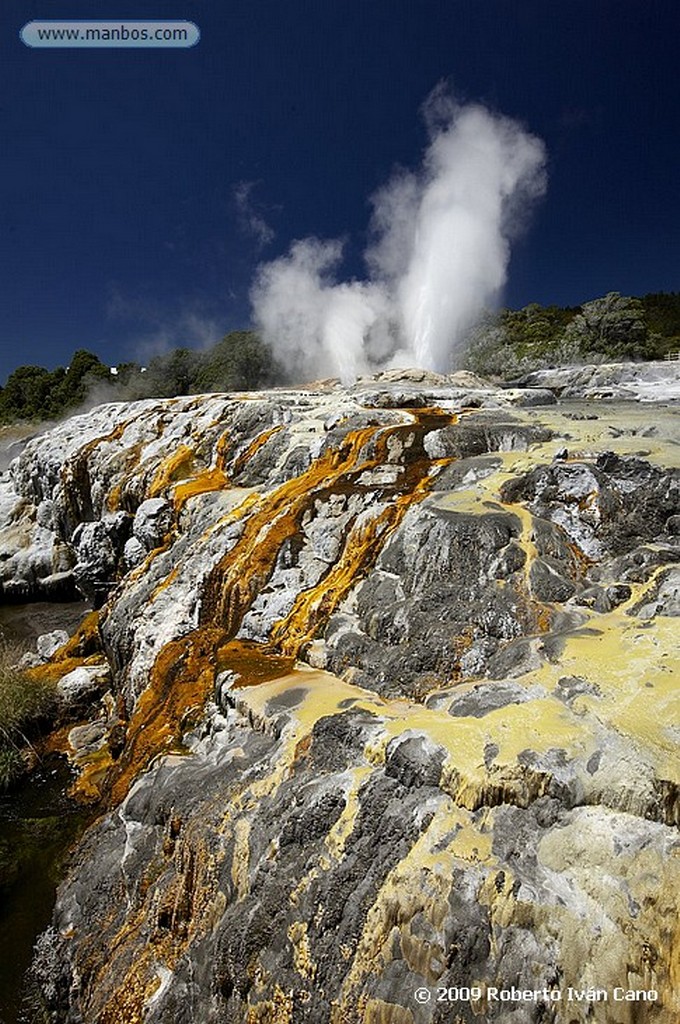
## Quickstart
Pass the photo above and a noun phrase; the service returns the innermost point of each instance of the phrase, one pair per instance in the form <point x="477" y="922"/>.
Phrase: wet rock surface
<point x="379" y="693"/>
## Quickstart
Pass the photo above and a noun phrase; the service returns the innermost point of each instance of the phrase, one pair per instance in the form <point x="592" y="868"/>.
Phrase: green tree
<point x="239" y="362"/>
<point x="662" y="316"/>
<point x="168" y="375"/>
<point x="83" y="372"/>
<point x="28" y="394"/>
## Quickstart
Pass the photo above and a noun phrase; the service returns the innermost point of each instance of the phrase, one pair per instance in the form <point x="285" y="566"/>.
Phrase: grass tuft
<point x="24" y="703"/>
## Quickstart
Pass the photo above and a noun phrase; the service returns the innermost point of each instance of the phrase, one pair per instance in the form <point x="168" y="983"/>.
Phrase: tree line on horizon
<point x="239" y="362"/>
<point x="505" y="345"/>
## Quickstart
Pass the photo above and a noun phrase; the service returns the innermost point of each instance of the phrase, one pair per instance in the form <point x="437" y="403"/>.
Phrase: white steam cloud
<point x="440" y="252"/>
<point x="250" y="219"/>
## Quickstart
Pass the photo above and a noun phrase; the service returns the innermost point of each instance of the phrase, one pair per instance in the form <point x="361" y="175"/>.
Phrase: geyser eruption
<point x="440" y="252"/>
<point x="315" y="325"/>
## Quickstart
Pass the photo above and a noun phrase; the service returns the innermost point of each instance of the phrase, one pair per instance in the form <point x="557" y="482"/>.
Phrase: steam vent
<point x="377" y="702"/>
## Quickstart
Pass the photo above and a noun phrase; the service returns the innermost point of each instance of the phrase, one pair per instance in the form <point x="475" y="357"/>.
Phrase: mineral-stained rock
<point x="608" y="506"/>
<point x="392" y="704"/>
<point x="393" y="627"/>
<point x="664" y="597"/>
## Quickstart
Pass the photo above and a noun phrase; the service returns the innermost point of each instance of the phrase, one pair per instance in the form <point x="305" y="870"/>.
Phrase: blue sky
<point x="121" y="228"/>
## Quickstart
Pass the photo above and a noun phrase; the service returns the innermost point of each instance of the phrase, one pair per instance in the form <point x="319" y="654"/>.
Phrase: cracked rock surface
<point x="389" y="701"/>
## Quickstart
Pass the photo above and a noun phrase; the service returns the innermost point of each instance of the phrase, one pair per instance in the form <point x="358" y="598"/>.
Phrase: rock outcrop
<point x="640" y="382"/>
<point x="390" y="705"/>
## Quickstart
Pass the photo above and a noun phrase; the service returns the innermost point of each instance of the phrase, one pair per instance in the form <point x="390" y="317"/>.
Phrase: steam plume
<point x="440" y="251"/>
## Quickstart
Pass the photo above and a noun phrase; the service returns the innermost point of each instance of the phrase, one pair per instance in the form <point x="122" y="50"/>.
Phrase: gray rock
<point x="530" y="398"/>
<point x="49" y="643"/>
<point x="99" y="547"/>
<point x="485" y="697"/>
<point x="414" y="760"/>
<point x="652" y="381"/>
<point x="570" y="687"/>
<point x="87" y="739"/>
<point x="29" y="659"/>
<point x="47" y="515"/>
<point x="612" y="597"/>
<point x="82" y="685"/>
<point x="609" y="506"/>
<point x="547" y="584"/>
<point x="152" y="521"/>
<point x="134" y="553"/>
<point x="665" y="598"/>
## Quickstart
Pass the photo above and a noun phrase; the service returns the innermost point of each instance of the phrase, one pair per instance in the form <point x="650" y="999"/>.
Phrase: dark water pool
<point x="38" y="825"/>
<point x="25" y="622"/>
